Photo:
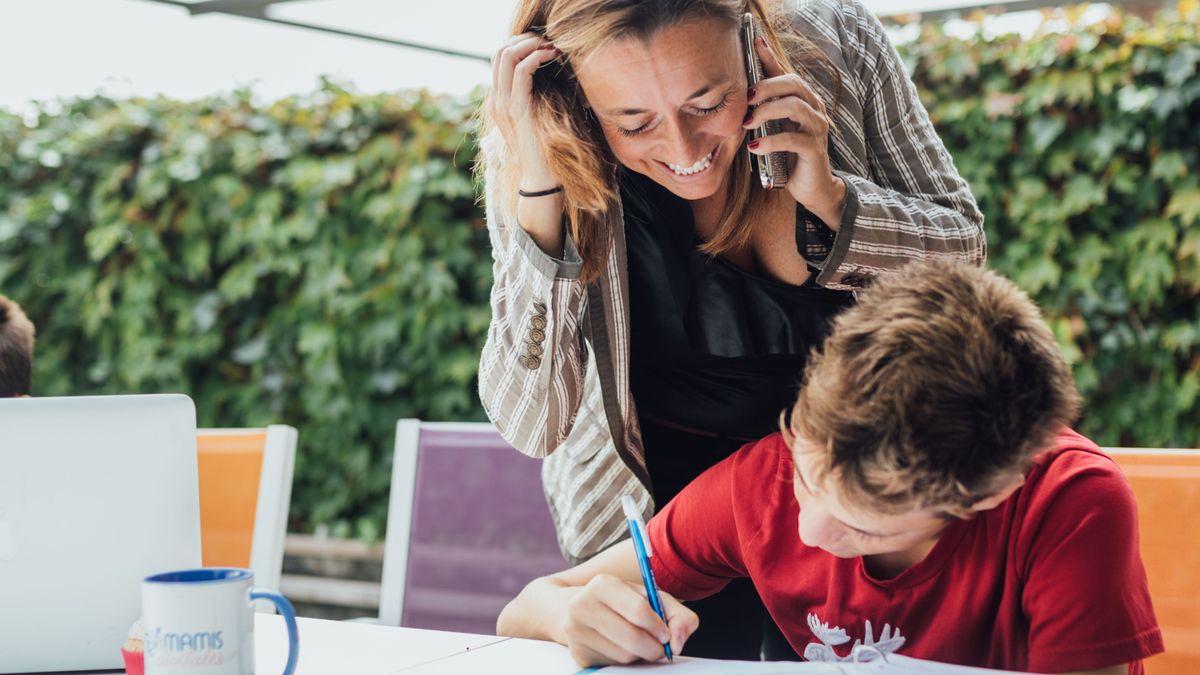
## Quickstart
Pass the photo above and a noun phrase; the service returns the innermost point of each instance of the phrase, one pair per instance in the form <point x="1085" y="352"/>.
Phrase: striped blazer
<point x="554" y="373"/>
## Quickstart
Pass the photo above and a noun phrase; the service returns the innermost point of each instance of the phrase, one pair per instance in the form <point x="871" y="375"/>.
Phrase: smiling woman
<point x="653" y="306"/>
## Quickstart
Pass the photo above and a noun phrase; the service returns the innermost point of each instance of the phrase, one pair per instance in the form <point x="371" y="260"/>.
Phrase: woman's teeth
<point x="695" y="168"/>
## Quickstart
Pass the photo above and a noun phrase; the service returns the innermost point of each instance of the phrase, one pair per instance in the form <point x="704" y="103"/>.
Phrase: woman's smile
<point x="694" y="171"/>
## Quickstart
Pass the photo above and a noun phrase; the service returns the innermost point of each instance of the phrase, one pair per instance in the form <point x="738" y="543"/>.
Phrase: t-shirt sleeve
<point x="697" y="550"/>
<point x="1085" y="594"/>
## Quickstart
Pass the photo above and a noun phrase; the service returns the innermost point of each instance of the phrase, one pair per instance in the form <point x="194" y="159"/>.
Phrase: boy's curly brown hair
<point x="934" y="391"/>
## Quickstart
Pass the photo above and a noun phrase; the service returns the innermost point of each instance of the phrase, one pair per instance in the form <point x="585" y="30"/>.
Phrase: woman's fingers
<point x="510" y="103"/>
<point x="790" y="108"/>
<point x="778" y="83"/>
<point x="507" y="58"/>
<point x="770" y="64"/>
<point x="795" y="142"/>
<point x="522" y="82"/>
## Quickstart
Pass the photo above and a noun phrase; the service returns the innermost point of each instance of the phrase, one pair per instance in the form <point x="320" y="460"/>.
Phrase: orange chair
<point x="245" y="491"/>
<point x="1166" y="484"/>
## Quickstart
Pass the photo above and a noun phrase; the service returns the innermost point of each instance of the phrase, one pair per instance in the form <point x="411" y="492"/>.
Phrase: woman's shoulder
<point x="844" y="29"/>
<point x="824" y="12"/>
<point x="839" y="15"/>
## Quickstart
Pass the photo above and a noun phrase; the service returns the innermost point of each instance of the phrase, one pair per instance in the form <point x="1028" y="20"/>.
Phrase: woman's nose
<point x="684" y="143"/>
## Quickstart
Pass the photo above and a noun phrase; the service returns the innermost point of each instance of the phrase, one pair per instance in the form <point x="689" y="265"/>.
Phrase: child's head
<point x="16" y="350"/>
<point x="927" y="402"/>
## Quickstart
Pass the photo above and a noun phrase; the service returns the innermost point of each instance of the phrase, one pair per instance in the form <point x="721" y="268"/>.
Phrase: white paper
<point x="895" y="665"/>
<point x="686" y="666"/>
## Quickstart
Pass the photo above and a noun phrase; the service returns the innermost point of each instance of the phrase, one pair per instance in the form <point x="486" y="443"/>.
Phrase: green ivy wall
<point x="321" y="261"/>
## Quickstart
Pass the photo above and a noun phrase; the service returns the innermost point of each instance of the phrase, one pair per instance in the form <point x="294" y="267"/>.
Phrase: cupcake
<point x="131" y="651"/>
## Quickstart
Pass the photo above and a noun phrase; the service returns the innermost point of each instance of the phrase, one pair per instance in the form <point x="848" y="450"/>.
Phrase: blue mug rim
<point x="201" y="575"/>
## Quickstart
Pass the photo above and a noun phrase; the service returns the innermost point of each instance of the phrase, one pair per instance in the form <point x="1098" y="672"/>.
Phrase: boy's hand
<point x="610" y="621"/>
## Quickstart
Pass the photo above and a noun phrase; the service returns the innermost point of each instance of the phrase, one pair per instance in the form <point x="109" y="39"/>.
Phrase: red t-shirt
<point x="1049" y="581"/>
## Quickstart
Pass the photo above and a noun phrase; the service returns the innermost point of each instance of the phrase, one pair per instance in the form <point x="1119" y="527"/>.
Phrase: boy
<point x="16" y="350"/>
<point x="926" y="498"/>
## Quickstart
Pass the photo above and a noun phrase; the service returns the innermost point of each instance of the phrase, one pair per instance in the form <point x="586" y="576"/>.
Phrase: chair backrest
<point x="468" y="527"/>
<point x="245" y="493"/>
<point x="1166" y="484"/>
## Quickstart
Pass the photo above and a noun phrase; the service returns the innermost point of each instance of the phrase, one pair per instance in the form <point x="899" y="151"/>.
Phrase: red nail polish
<point x="750" y="94"/>
<point x="749" y="114"/>
<point x="752" y="144"/>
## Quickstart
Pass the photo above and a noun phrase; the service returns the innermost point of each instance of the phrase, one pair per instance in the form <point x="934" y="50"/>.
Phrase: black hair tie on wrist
<point x="541" y="193"/>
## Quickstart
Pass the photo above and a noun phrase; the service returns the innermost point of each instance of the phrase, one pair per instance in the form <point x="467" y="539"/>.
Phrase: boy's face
<point x="826" y="522"/>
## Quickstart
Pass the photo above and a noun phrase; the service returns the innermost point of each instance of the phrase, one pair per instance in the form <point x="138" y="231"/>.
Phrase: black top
<point x="714" y="347"/>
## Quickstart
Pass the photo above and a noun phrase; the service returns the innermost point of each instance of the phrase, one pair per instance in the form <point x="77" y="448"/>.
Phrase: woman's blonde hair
<point x="573" y="143"/>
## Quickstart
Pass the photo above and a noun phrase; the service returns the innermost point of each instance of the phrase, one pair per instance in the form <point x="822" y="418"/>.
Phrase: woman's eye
<point x="628" y="133"/>
<point x="633" y="132"/>
<point x="715" y="109"/>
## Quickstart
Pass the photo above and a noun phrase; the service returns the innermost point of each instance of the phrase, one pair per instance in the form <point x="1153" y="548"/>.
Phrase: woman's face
<point x="672" y="107"/>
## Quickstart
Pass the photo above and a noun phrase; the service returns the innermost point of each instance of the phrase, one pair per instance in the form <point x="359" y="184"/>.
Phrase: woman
<point x="653" y="305"/>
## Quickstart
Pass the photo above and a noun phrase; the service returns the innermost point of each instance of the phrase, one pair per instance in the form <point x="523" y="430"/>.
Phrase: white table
<point x="336" y="647"/>
<point x="505" y="656"/>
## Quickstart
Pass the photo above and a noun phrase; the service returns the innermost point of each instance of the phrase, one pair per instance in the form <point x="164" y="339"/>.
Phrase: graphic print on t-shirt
<point x="866" y="649"/>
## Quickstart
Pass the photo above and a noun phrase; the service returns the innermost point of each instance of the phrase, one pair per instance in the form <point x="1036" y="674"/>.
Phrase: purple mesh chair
<point x="468" y="527"/>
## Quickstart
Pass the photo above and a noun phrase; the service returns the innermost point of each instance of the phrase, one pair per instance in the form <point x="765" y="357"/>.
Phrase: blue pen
<point x="641" y="545"/>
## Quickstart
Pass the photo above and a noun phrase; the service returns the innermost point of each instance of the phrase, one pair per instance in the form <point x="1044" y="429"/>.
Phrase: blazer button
<point x="538" y="322"/>
<point x="533" y="349"/>
<point x="531" y="362"/>
<point x="539" y="308"/>
<point x="536" y="335"/>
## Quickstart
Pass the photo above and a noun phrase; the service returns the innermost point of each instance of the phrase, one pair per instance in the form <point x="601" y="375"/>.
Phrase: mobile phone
<point x="772" y="168"/>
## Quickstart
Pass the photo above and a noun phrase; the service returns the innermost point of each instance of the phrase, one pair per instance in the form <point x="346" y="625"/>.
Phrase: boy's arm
<point x="598" y="609"/>
<point x="1085" y="593"/>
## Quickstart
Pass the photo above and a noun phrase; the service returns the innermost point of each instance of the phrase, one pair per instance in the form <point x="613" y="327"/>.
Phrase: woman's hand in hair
<point x="511" y="108"/>
<point x="788" y="97"/>
<point x="511" y="104"/>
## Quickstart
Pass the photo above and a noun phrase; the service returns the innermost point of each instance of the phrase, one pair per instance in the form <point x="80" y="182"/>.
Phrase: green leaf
<point x="1043" y="131"/>
<point x="1185" y="204"/>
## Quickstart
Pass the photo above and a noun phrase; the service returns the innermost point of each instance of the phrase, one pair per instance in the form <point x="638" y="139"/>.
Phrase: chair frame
<point x="400" y="511"/>
<point x="274" y="501"/>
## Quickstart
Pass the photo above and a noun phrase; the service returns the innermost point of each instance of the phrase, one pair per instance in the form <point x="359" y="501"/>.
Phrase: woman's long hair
<point x="572" y="141"/>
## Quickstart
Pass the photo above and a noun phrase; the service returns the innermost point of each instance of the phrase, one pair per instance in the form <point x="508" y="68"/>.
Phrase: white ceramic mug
<point x="201" y="622"/>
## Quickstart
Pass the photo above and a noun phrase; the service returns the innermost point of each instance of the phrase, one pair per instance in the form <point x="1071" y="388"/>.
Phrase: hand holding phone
<point x="771" y="169"/>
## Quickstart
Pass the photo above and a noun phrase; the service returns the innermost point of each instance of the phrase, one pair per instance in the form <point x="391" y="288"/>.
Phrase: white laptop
<point x="96" y="492"/>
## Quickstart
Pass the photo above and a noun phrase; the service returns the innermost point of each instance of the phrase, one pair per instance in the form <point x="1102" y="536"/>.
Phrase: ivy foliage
<point x="319" y="262"/>
<point x="322" y="261"/>
<point x="1083" y="150"/>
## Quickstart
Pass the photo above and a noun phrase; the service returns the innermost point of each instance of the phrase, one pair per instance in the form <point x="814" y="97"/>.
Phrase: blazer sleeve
<point x="532" y="366"/>
<point x="913" y="205"/>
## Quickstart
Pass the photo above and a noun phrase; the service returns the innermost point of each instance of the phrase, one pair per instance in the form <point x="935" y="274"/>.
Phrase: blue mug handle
<point x="289" y="617"/>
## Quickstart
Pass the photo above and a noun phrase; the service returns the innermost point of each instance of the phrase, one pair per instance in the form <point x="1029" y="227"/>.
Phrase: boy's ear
<point x="996" y="499"/>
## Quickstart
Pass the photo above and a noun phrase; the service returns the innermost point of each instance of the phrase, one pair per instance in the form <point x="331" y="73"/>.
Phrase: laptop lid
<point x="96" y="492"/>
